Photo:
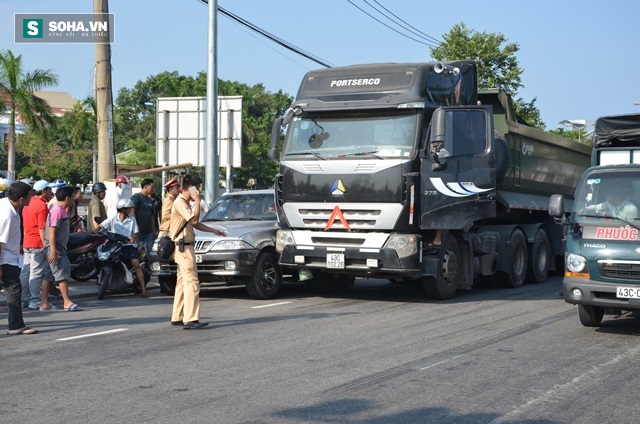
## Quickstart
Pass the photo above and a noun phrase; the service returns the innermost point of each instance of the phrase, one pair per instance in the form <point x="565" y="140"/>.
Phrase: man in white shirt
<point x="18" y="196"/>
<point x="112" y="197"/>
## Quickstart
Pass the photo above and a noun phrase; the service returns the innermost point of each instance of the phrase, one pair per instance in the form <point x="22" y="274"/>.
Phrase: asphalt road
<point x="377" y="353"/>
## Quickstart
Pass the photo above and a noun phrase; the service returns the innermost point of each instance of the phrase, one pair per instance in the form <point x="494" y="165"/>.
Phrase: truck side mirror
<point x="435" y="143"/>
<point x="556" y="206"/>
<point x="275" y="139"/>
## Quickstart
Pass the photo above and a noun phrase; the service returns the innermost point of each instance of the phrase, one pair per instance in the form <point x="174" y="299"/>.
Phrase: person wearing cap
<point x="36" y="272"/>
<point x="122" y="184"/>
<point x="173" y="190"/>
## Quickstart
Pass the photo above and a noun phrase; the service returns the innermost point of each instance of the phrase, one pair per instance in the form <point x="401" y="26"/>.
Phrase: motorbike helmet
<point x="98" y="187"/>
<point x="122" y="179"/>
<point x="124" y="204"/>
<point x="4" y="184"/>
<point x="58" y="183"/>
<point x="28" y="181"/>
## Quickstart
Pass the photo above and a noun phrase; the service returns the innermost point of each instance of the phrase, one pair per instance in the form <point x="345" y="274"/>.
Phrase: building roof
<point x="59" y="101"/>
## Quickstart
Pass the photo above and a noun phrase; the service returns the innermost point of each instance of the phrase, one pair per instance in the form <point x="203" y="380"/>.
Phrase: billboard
<point x="181" y="130"/>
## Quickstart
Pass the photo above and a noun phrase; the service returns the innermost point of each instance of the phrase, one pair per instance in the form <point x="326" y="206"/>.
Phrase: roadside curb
<point x="79" y="290"/>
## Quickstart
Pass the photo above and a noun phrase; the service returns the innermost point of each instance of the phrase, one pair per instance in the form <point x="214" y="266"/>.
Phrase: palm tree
<point x="16" y="92"/>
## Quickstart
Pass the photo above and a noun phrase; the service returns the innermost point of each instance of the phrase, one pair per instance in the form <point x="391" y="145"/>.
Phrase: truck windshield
<point x="610" y="194"/>
<point x="357" y="136"/>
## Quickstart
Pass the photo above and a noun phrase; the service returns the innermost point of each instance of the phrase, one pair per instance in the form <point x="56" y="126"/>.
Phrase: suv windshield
<point x="329" y="137"/>
<point x="242" y="207"/>
<point x="610" y="194"/>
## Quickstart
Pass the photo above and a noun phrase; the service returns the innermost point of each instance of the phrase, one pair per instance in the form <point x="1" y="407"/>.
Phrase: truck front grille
<point x="629" y="271"/>
<point x="357" y="218"/>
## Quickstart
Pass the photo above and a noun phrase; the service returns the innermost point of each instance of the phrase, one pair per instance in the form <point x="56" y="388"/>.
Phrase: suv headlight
<point x="576" y="263"/>
<point x="231" y="245"/>
<point x="283" y="237"/>
<point x="404" y="244"/>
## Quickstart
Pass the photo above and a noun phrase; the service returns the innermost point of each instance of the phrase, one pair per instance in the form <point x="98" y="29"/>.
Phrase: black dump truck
<point x="406" y="171"/>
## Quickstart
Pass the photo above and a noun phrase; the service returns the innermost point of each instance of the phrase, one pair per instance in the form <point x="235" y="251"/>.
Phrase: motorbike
<point x="116" y="273"/>
<point x="81" y="250"/>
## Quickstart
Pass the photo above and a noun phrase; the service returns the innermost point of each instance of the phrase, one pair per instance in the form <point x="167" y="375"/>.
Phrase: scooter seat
<point x="78" y="239"/>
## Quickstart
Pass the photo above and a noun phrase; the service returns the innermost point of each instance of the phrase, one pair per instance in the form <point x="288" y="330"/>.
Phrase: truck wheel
<point x="590" y="316"/>
<point x="539" y="258"/>
<point x="267" y="277"/>
<point x="167" y="285"/>
<point x="518" y="265"/>
<point x="444" y="286"/>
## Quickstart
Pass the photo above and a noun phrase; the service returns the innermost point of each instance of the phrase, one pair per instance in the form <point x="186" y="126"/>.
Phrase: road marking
<point x="117" y="330"/>
<point x="570" y="389"/>
<point x="440" y="362"/>
<point x="271" y="304"/>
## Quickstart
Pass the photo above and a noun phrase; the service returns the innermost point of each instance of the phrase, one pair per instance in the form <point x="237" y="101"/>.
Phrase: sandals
<point x="23" y="330"/>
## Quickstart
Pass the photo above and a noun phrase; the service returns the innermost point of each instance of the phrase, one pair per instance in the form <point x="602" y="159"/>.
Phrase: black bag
<point x="166" y="246"/>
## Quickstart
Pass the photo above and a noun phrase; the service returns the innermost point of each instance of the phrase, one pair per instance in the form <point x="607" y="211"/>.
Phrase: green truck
<point x="602" y="264"/>
<point x="406" y="171"/>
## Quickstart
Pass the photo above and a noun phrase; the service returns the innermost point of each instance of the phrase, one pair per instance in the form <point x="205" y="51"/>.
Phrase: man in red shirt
<point x="34" y="218"/>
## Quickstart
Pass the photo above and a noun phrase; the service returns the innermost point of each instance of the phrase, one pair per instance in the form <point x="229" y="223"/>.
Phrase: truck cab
<point x="602" y="260"/>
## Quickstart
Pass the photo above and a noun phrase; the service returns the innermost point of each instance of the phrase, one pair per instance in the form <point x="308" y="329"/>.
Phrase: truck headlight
<point x="404" y="244"/>
<point x="283" y="237"/>
<point x="576" y="263"/>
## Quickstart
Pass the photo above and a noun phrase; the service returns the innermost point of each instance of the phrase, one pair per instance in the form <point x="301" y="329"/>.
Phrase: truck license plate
<point x="335" y="260"/>
<point x="198" y="259"/>
<point x="628" y="293"/>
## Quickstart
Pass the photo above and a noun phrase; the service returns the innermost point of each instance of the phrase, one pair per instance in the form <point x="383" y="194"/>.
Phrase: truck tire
<point x="167" y="285"/>
<point x="590" y="316"/>
<point x="445" y="284"/>
<point x="540" y="257"/>
<point x="267" y="277"/>
<point x="514" y="278"/>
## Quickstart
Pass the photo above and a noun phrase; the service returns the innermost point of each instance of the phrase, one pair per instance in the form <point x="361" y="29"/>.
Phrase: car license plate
<point x="335" y="260"/>
<point x="628" y="293"/>
<point x="198" y="259"/>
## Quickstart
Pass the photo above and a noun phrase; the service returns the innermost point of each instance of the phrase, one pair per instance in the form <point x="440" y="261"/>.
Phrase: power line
<point x="428" y="44"/>
<point x="427" y="36"/>
<point x="272" y="37"/>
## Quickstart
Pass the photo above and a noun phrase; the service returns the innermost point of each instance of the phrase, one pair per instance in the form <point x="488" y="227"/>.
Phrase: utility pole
<point x="212" y="169"/>
<point x="104" y="101"/>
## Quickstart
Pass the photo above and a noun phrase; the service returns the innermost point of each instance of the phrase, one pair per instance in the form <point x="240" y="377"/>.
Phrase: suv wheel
<point x="267" y="277"/>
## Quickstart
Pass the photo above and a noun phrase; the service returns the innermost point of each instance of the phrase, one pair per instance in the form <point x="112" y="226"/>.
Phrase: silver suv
<point x="246" y="256"/>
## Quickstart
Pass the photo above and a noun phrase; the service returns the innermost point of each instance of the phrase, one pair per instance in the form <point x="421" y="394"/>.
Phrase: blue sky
<point x="580" y="58"/>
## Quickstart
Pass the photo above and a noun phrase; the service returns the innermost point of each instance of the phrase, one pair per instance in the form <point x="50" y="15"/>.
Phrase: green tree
<point x="498" y="65"/>
<point x="17" y="87"/>
<point x="135" y="119"/>
<point x="67" y="150"/>
<point x="577" y="135"/>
